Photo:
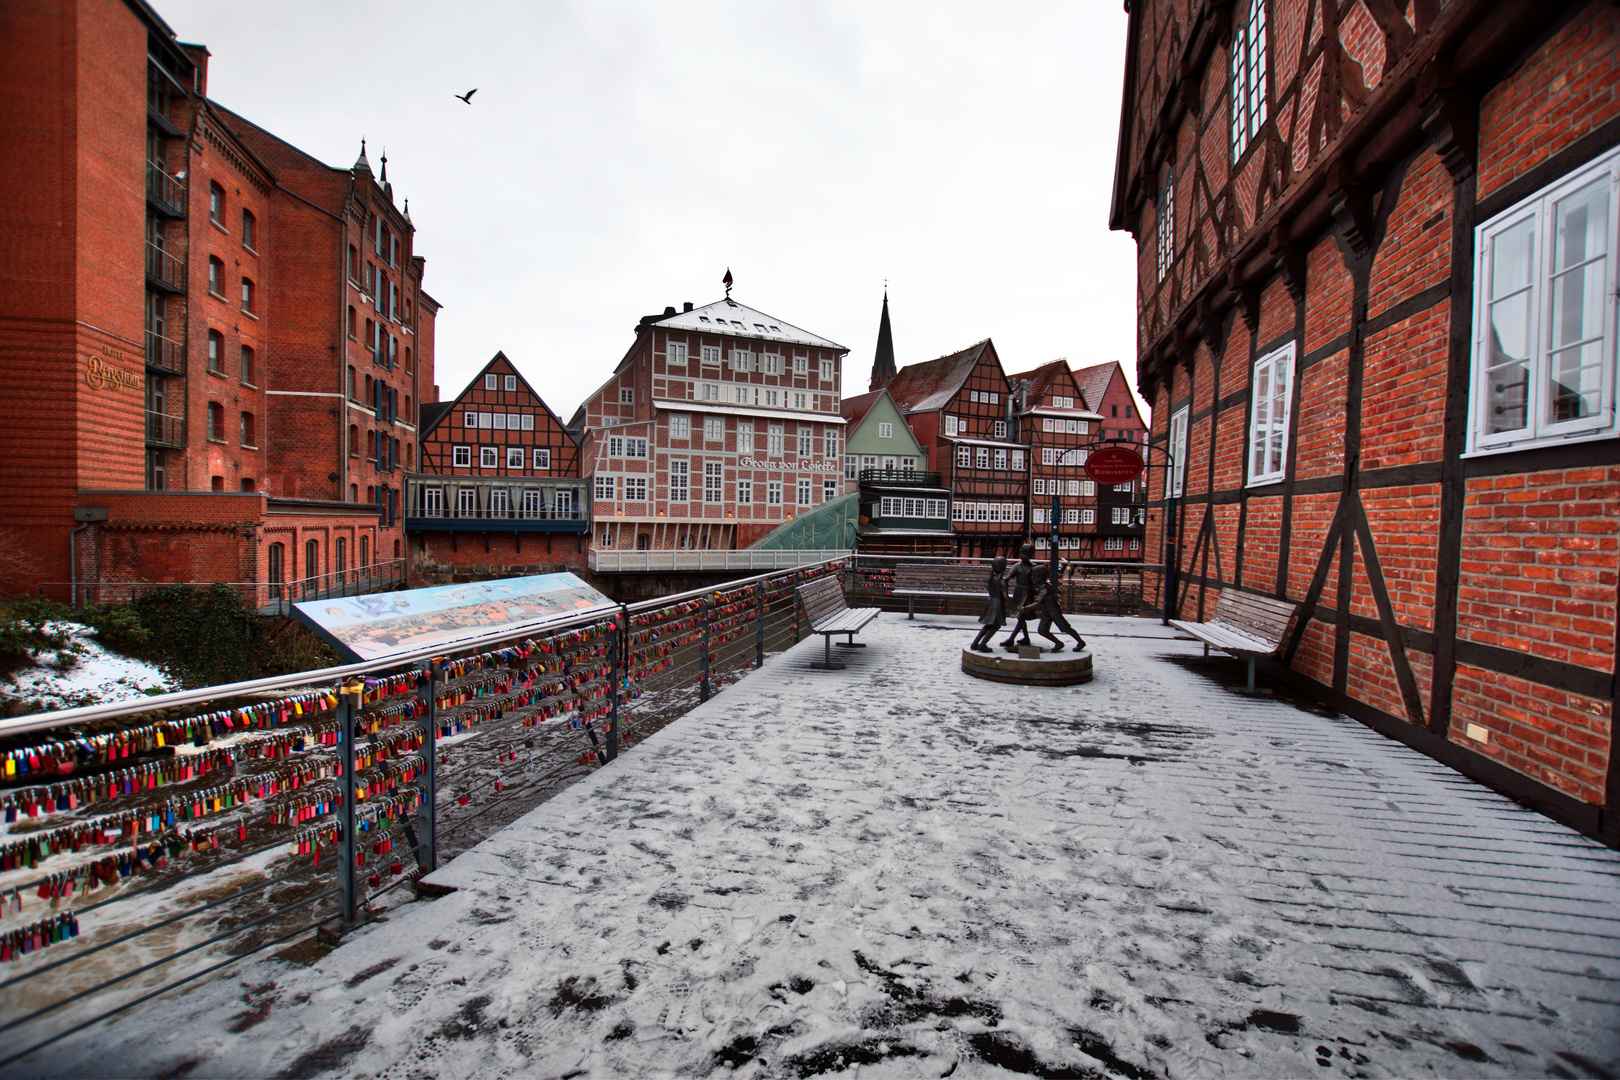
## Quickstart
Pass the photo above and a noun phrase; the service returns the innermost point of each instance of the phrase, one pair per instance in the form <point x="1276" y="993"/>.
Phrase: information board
<point x="379" y="625"/>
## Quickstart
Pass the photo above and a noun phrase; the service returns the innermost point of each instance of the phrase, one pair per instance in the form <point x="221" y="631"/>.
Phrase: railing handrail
<point x="303" y="679"/>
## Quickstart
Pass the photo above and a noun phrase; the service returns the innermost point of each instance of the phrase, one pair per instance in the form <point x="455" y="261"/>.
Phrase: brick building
<point x="720" y="423"/>
<point x="961" y="411"/>
<point x="1376" y="326"/>
<point x="182" y="297"/>
<point x="499" y="491"/>
<point x="1061" y="430"/>
<point x="1121" y="508"/>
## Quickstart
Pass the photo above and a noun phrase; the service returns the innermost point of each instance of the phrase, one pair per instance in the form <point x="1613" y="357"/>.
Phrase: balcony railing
<point x="165" y="430"/>
<point x="167" y="193"/>
<point x="165" y="353"/>
<point x="647" y="562"/>
<point x="164" y="270"/>
<point x="901" y="477"/>
<point x="470" y="514"/>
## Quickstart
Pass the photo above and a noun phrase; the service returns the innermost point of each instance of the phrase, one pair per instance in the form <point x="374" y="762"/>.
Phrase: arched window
<point x="1248" y="78"/>
<point x="216" y="352"/>
<point x="365" y="551"/>
<point x="277" y="569"/>
<point x="312" y="558"/>
<point x="353" y="324"/>
<point x="249" y="435"/>
<point x="354" y="440"/>
<point x="340" y="555"/>
<point x="216" y="421"/>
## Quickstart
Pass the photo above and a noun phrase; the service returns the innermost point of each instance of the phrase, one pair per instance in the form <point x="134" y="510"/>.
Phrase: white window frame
<point x="773" y="493"/>
<point x="710" y="355"/>
<point x="606" y="487"/>
<point x="680" y="477"/>
<point x="514" y="457"/>
<point x="803" y="492"/>
<point x="826" y="371"/>
<point x="964" y="457"/>
<point x="801" y="365"/>
<point x="627" y="395"/>
<point x="745" y="493"/>
<point x="742" y="360"/>
<point x="1176" y="446"/>
<point x="635" y="489"/>
<point x="885" y="431"/>
<point x="680" y="426"/>
<point x="952" y="426"/>
<point x="829" y="490"/>
<point x="542" y="457"/>
<point x="1268" y="429"/>
<point x="1165" y="230"/>
<point x="1249" y="63"/>
<point x="675" y="354"/>
<point x="714" y="478"/>
<point x="807" y="439"/>
<point x="527" y="421"/>
<point x="714" y="429"/>
<point x="635" y="446"/>
<point x="490" y="382"/>
<point x="488" y="458"/>
<point x="1018" y="461"/>
<point x="773" y="440"/>
<point x="461" y="457"/>
<point x="1538" y="214"/>
<point x="770" y="363"/>
<point x="511" y="382"/>
<point x="981" y="457"/>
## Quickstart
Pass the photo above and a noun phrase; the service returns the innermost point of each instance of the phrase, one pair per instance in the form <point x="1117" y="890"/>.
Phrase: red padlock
<point x="462" y="800"/>
<point x="395" y="868"/>
<point x="374" y="880"/>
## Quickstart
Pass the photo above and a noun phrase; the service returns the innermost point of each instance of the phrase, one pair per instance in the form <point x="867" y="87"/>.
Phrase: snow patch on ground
<point x="899" y="870"/>
<point x="96" y="675"/>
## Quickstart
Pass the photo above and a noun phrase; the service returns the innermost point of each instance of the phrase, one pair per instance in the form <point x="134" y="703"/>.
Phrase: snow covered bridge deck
<point x="902" y="870"/>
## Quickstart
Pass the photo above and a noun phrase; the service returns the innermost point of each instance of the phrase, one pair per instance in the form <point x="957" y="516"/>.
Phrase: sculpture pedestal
<point x="1049" y="669"/>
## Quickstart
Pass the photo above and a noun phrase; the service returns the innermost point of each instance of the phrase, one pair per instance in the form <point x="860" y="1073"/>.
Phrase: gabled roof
<point x="474" y="382"/>
<point x="1094" y="381"/>
<point x="433" y="412"/>
<point x="854" y="409"/>
<point x="1041" y="379"/>
<point x="738" y="320"/>
<point x="931" y="385"/>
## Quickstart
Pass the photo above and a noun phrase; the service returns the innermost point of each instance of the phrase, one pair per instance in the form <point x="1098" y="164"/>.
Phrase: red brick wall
<point x="1569" y="87"/>
<point x="437" y="560"/>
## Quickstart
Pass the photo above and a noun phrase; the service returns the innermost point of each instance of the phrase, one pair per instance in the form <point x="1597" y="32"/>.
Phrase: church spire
<point x="883" y="370"/>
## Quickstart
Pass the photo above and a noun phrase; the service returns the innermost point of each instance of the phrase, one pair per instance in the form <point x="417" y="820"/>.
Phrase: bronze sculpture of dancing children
<point x="995" y="608"/>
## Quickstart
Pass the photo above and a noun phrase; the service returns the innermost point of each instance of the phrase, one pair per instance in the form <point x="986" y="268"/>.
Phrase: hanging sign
<point x="383" y="624"/>
<point x="1114" y="465"/>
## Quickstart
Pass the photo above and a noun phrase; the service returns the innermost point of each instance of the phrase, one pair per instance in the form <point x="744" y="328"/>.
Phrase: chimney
<point x="668" y="312"/>
<point x="686" y="306"/>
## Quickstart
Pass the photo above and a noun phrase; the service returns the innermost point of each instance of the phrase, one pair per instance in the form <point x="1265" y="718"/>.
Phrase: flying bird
<point x="467" y="97"/>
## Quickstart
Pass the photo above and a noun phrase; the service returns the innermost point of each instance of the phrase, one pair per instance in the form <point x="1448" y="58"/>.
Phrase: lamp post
<point x="1172" y="569"/>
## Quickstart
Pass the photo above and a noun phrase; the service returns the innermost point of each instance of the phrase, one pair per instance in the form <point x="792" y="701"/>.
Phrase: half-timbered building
<point x="1376" y="324"/>
<point x="720" y="423"/>
<point x="499" y="493"/>
<point x="1060" y="428"/>
<point x="960" y="410"/>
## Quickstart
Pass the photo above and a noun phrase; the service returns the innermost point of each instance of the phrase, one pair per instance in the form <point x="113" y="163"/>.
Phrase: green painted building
<point x="903" y="507"/>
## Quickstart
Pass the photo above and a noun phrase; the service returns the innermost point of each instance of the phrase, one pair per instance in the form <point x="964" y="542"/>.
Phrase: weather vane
<point x="726" y="281"/>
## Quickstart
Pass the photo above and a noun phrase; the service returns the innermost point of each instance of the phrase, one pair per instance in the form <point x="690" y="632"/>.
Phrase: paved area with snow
<point x="898" y="870"/>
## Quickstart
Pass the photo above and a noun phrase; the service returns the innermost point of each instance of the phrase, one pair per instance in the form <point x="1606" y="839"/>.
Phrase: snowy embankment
<point x="84" y="673"/>
<point x="899" y="870"/>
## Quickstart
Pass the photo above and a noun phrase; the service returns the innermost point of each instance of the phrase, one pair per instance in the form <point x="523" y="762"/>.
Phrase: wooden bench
<point x="1244" y="625"/>
<point x="912" y="580"/>
<point x="829" y="615"/>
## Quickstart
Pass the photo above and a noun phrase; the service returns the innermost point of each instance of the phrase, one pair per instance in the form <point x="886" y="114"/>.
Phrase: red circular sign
<point x="1114" y="465"/>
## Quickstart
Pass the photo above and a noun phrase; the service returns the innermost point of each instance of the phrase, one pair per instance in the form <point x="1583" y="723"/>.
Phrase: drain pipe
<point x="86" y="516"/>
<point x="73" y="561"/>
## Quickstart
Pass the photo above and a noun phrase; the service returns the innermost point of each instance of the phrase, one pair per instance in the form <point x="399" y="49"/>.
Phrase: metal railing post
<point x="798" y="576"/>
<point x="619" y="652"/>
<point x="348" y="846"/>
<point x="1119" y="585"/>
<point x="427" y="857"/>
<point x="705" y="608"/>
<point x="759" y="624"/>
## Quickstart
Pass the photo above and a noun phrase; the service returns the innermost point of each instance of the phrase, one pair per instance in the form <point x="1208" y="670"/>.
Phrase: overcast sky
<point x="619" y="156"/>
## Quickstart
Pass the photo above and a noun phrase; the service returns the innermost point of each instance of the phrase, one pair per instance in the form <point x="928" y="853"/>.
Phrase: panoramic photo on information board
<point x="382" y="624"/>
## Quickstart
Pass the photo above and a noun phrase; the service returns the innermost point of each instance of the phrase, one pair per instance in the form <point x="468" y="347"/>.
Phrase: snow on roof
<point x="1041" y="379"/>
<point x="1094" y="381"/>
<point x="738" y="320"/>
<point x="931" y="385"/>
<point x="855" y="408"/>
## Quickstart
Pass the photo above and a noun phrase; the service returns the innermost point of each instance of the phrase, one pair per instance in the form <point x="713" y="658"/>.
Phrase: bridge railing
<point x="151" y="843"/>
